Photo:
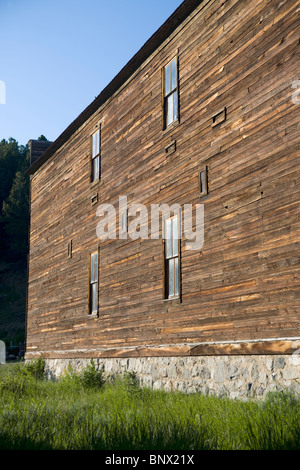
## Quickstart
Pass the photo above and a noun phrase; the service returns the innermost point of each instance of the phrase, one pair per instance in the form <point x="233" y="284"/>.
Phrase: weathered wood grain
<point x="243" y="285"/>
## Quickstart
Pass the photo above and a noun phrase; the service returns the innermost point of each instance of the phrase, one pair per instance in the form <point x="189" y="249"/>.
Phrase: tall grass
<point x="88" y="411"/>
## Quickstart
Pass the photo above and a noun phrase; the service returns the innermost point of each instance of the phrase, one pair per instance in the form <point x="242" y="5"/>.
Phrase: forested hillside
<point x="14" y="223"/>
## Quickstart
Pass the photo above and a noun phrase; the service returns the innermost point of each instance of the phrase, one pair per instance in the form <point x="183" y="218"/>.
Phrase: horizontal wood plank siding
<point x="243" y="284"/>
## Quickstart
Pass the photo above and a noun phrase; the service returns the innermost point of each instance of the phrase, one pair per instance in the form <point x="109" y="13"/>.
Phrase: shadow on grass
<point x="7" y="443"/>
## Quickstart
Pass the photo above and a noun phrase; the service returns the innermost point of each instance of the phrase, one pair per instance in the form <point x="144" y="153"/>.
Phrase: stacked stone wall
<point x="235" y="377"/>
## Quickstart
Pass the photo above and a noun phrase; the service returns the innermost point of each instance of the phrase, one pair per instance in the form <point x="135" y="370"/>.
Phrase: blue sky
<point x="58" y="55"/>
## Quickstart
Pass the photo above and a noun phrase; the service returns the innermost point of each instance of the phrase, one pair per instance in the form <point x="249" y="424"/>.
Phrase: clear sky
<point x="58" y="55"/>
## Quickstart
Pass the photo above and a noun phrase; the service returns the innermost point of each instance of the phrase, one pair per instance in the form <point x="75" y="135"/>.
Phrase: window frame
<point x="167" y="259"/>
<point x="70" y="249"/>
<point x="91" y="312"/>
<point x="171" y="93"/>
<point x="96" y="156"/>
<point x="203" y="189"/>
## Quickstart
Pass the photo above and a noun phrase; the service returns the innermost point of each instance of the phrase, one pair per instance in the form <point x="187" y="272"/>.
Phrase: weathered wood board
<point x="244" y="284"/>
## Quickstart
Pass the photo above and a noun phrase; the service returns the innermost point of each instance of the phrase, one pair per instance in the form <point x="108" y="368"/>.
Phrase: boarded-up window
<point x="93" y="287"/>
<point x="96" y="144"/>
<point x="171" y="93"/>
<point x="172" y="258"/>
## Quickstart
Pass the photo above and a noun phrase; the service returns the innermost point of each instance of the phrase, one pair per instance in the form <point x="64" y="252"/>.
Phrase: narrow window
<point x="203" y="182"/>
<point x="172" y="258"/>
<point x="219" y="117"/>
<point x="96" y="156"/>
<point x="93" y="293"/>
<point x="170" y="93"/>
<point x="70" y="249"/>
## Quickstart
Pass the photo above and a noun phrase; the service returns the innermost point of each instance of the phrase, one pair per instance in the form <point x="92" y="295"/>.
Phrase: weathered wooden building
<point x="206" y="113"/>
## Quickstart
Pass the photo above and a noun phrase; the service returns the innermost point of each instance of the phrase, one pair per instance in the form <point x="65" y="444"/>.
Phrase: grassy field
<point x="92" y="412"/>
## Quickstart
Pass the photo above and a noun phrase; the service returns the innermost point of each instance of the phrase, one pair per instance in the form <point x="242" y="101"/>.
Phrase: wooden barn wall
<point x="244" y="283"/>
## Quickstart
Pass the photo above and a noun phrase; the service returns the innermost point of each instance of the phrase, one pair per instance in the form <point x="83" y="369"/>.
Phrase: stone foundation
<point x="238" y="377"/>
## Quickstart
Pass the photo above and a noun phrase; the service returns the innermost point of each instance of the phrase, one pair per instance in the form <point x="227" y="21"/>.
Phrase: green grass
<point x="93" y="412"/>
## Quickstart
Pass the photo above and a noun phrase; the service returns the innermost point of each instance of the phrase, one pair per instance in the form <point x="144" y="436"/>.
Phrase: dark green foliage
<point x="89" y="378"/>
<point x="13" y="279"/>
<point x="20" y="377"/>
<point x="11" y="156"/>
<point x="132" y="386"/>
<point x="15" y="384"/>
<point x="43" y="138"/>
<point x="14" y="228"/>
<point x="15" y="212"/>
<point x="35" y="369"/>
<point x="14" y="202"/>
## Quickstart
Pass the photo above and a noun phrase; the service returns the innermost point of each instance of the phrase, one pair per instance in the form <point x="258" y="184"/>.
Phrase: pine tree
<point x="9" y="160"/>
<point x="15" y="213"/>
<point x="14" y="200"/>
